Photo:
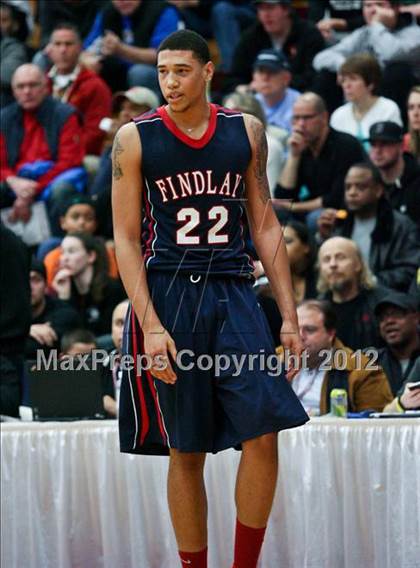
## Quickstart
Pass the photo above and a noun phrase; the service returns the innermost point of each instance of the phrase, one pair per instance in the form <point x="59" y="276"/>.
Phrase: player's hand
<point x="410" y="398"/>
<point x="158" y="345"/>
<point x="62" y="284"/>
<point x="43" y="333"/>
<point x="326" y="222"/>
<point x="296" y="143"/>
<point x="292" y="345"/>
<point x="385" y="16"/>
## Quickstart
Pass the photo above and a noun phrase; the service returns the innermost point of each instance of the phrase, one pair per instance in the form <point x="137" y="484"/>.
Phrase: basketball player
<point x="191" y="168"/>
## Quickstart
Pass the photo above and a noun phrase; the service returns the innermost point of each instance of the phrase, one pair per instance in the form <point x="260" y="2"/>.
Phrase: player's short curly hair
<point x="187" y="40"/>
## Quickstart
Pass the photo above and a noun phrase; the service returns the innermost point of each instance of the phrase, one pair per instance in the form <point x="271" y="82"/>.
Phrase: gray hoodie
<point x="388" y="46"/>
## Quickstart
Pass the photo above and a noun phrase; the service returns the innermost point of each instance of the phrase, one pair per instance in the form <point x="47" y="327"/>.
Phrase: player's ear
<point x="208" y="70"/>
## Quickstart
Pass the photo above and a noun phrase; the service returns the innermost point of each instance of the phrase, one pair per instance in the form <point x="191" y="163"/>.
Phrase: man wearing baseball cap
<point x="398" y="320"/>
<point x="278" y="27"/>
<point x="271" y="80"/>
<point x="399" y="170"/>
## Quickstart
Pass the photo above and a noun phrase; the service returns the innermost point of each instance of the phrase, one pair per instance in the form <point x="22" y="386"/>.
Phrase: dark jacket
<point x="51" y="114"/>
<point x="97" y="316"/>
<point x="394" y="251"/>
<point x="357" y="326"/>
<point x="15" y="312"/>
<point x="62" y="318"/>
<point x="403" y="194"/>
<point x="392" y="368"/>
<point x="303" y="43"/>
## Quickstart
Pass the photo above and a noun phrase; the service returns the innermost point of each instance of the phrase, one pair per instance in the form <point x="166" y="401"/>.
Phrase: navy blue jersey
<point x="194" y="194"/>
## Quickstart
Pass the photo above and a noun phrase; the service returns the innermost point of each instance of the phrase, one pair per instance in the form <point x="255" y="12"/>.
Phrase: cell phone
<point x="414" y="386"/>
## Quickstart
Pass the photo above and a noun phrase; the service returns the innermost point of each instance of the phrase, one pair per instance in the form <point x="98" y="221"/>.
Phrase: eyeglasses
<point x="304" y="117"/>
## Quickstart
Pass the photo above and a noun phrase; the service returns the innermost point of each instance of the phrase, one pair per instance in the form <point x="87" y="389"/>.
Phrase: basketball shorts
<point x="216" y="402"/>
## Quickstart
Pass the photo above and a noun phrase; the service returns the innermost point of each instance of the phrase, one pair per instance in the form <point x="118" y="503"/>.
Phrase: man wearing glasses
<point x="318" y="160"/>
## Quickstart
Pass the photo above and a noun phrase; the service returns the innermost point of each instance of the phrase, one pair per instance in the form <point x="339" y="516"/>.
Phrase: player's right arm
<point x="127" y="189"/>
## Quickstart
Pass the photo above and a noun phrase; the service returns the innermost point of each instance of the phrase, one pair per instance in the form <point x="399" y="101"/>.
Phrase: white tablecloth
<point x="348" y="497"/>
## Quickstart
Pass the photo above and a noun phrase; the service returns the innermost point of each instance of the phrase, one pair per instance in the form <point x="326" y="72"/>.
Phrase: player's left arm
<point x="267" y="235"/>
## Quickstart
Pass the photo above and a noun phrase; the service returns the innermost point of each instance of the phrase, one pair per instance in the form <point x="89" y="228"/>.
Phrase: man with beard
<point x="345" y="280"/>
<point x="398" y="319"/>
<point x="330" y="364"/>
<point x="385" y="237"/>
<point x="399" y="170"/>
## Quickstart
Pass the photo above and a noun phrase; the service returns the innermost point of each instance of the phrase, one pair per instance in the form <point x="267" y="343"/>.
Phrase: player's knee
<point x="264" y="446"/>
<point x="189" y="462"/>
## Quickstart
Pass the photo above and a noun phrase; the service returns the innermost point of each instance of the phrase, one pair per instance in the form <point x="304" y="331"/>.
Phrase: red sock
<point x="248" y="543"/>
<point x="194" y="559"/>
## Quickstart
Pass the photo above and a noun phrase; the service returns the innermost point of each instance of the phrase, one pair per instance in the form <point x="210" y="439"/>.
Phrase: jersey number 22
<point x="218" y="213"/>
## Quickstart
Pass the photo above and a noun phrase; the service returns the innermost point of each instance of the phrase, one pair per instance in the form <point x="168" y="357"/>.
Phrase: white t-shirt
<point x="308" y="385"/>
<point x="343" y="118"/>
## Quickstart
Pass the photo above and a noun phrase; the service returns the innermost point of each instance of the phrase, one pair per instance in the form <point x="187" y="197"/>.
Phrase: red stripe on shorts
<point x="158" y="411"/>
<point x="145" y="421"/>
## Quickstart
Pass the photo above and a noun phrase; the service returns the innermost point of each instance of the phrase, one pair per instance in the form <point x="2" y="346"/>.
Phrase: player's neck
<point x="193" y="121"/>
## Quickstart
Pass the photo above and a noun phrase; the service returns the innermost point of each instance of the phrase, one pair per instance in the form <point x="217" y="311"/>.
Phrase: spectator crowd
<point x="337" y="88"/>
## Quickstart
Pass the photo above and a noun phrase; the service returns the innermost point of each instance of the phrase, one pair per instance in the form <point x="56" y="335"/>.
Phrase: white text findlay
<point x="197" y="183"/>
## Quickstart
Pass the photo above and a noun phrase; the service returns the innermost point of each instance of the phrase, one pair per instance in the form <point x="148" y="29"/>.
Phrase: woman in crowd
<point x="83" y="281"/>
<point x="412" y="138"/>
<point x="360" y="77"/>
<point x="301" y="253"/>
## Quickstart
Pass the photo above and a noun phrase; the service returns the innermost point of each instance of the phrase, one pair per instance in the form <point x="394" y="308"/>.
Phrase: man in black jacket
<point x="51" y="317"/>
<point x="386" y="238"/>
<point x="398" y="319"/>
<point x="279" y="28"/>
<point x="400" y="171"/>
